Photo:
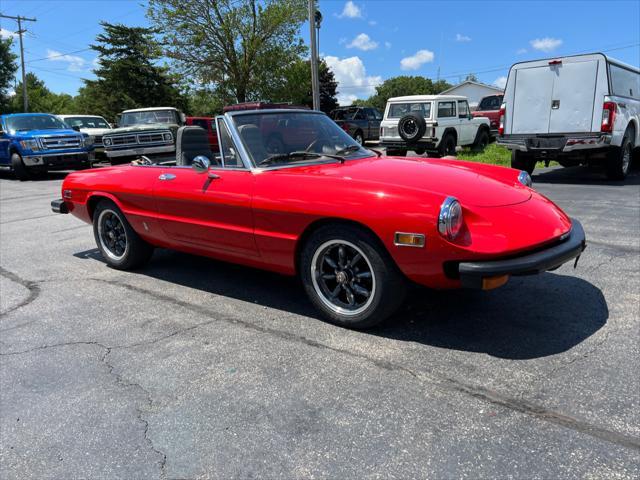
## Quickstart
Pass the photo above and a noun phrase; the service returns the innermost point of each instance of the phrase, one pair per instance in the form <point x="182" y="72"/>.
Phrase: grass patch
<point x="493" y="154"/>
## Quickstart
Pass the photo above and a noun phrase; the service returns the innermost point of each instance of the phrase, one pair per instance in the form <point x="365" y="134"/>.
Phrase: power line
<point x="58" y="55"/>
<point x="19" y="19"/>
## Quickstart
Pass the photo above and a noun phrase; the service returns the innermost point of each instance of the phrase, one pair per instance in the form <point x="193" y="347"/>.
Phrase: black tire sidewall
<point x="522" y="161"/>
<point x="482" y="141"/>
<point x="390" y="286"/>
<point x="138" y="252"/>
<point x="615" y="169"/>
<point x="359" y="134"/>
<point x="19" y="169"/>
<point x="421" y="125"/>
<point x="447" y="141"/>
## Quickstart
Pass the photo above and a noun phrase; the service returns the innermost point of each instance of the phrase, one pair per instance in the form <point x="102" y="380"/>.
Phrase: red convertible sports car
<point x="355" y="225"/>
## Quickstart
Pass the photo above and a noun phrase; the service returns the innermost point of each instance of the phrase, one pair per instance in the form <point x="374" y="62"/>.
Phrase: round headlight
<point x="450" y="218"/>
<point x="167" y="137"/>
<point x="524" y="178"/>
<point x="106" y="141"/>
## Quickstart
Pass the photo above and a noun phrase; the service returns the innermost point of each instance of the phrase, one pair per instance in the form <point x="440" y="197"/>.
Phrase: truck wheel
<point x="447" y="145"/>
<point x="119" y="244"/>
<point x="619" y="159"/>
<point x="482" y="140"/>
<point x="359" y="138"/>
<point x="396" y="153"/>
<point x="19" y="170"/>
<point x="522" y="161"/>
<point x="350" y="277"/>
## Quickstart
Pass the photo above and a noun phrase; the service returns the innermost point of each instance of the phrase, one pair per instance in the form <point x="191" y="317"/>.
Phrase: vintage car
<point x="356" y="226"/>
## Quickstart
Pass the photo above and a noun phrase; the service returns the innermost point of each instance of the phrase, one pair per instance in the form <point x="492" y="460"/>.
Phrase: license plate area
<point x="546" y="143"/>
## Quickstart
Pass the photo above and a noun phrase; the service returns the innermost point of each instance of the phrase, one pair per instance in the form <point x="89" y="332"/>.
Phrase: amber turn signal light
<point x="489" y="283"/>
<point x="409" y="239"/>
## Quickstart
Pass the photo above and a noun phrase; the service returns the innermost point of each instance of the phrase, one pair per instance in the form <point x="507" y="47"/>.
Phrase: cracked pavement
<point x="192" y="368"/>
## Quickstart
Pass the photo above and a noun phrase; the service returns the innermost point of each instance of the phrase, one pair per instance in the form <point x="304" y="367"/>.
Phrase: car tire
<point x="619" y="158"/>
<point x="396" y="153"/>
<point x="447" y="145"/>
<point x="481" y="142"/>
<point x="368" y="283"/>
<point x="120" y="246"/>
<point x="522" y="161"/>
<point x="18" y="167"/>
<point x="412" y="127"/>
<point x="359" y="138"/>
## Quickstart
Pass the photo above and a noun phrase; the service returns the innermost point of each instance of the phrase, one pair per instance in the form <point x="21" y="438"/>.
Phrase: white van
<point x="576" y="110"/>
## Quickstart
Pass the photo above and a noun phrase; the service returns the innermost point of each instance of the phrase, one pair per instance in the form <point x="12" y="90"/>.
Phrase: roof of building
<point x="473" y="82"/>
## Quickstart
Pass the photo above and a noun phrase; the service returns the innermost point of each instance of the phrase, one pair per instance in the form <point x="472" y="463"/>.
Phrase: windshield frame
<point x="10" y="128"/>
<point x="176" y="119"/>
<point x="247" y="158"/>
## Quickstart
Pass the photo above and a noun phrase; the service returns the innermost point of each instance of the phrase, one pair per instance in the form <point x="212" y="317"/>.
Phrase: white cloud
<point x="546" y="44"/>
<point x="500" y="82"/>
<point x="521" y="51"/>
<point x="414" y="62"/>
<point x="363" y="42"/>
<point x="350" y="10"/>
<point x="74" y="63"/>
<point x="351" y="75"/>
<point x="7" y="34"/>
<point x="462" y="38"/>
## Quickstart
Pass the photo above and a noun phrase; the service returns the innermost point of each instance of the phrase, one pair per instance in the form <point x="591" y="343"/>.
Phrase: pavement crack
<point x="449" y="384"/>
<point x="32" y="287"/>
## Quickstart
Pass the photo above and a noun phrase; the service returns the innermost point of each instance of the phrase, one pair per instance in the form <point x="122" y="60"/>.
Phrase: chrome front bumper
<point x="564" y="143"/>
<point x="53" y="159"/>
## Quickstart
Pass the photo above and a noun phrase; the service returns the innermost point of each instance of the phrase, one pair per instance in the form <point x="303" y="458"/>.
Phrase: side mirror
<point x="201" y="164"/>
<point x="76" y="128"/>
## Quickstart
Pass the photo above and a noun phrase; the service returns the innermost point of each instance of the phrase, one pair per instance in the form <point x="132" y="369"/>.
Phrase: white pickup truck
<point x="431" y="123"/>
<point x="582" y="109"/>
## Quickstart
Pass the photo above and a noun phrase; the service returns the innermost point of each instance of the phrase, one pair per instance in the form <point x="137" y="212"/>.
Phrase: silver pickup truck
<point x="582" y="109"/>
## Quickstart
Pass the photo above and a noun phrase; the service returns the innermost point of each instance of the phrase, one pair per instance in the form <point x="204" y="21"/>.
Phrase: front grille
<point x="149" y="137"/>
<point x="131" y="139"/>
<point x="97" y="140"/>
<point x="60" y="143"/>
<point x="124" y="140"/>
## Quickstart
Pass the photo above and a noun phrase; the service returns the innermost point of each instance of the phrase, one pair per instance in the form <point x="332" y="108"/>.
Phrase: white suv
<point x="433" y="123"/>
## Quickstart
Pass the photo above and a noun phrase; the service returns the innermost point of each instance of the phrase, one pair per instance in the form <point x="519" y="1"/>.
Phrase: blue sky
<point x="366" y="42"/>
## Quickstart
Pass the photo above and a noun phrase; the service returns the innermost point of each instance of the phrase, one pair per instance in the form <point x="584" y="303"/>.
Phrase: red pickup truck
<point x="490" y="107"/>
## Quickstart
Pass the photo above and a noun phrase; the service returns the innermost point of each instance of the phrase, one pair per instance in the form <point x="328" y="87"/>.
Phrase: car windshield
<point x="287" y="137"/>
<point x="397" y="110"/>
<point x="344" y="114"/>
<point x="86" y="122"/>
<point x="34" y="122"/>
<point x="490" y="103"/>
<point x="147" y="117"/>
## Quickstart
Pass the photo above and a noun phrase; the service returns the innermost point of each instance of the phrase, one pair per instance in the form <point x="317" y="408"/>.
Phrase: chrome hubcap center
<point x="342" y="278"/>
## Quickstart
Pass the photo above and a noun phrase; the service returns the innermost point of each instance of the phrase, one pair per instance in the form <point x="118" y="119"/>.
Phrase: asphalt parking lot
<point x="192" y="368"/>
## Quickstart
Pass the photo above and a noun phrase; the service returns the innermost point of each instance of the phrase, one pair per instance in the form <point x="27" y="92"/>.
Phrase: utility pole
<point x="20" y="19"/>
<point x="315" y="82"/>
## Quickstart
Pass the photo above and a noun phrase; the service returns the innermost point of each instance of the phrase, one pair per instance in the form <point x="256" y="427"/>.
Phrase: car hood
<point x="46" y="133"/>
<point x="144" y="128"/>
<point x="471" y="184"/>
<point x="96" y="131"/>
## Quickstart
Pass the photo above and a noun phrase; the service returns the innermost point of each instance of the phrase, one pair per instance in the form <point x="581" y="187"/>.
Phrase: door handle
<point x="166" y="176"/>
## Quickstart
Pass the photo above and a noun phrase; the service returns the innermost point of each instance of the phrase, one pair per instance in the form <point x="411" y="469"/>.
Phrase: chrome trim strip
<point x="132" y="152"/>
<point x="235" y="136"/>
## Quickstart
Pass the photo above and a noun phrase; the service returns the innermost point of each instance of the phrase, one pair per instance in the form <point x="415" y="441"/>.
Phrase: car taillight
<point x="608" y="116"/>
<point x="503" y="113"/>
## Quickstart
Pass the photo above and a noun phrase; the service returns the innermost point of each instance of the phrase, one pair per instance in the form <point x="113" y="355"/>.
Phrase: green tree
<point x="8" y="69"/>
<point x="404" y="85"/>
<point x="41" y="99"/>
<point x="128" y="74"/>
<point x="297" y="86"/>
<point x="240" y="48"/>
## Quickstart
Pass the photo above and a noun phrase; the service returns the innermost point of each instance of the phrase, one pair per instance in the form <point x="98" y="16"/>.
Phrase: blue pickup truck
<point x="37" y="142"/>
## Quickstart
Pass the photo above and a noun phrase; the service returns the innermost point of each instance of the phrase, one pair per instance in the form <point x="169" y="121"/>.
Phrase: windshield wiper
<point x="347" y="150"/>
<point x="298" y="156"/>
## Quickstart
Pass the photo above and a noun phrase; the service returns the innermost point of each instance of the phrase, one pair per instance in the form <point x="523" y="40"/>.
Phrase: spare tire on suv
<point x="412" y="127"/>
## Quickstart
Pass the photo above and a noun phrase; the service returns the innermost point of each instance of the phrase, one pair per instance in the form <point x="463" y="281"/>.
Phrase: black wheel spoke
<point x="328" y="276"/>
<point x="341" y="257"/>
<point x="330" y="262"/>
<point x="363" y="275"/>
<point x="350" y="297"/>
<point x="334" y="293"/>
<point x="355" y="260"/>
<point x="360" y="290"/>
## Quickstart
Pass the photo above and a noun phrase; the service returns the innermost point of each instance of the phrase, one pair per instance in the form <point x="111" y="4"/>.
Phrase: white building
<point x="474" y="91"/>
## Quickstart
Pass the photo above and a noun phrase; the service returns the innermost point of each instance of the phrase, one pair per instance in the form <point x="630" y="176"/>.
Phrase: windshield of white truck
<point x="86" y="122"/>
